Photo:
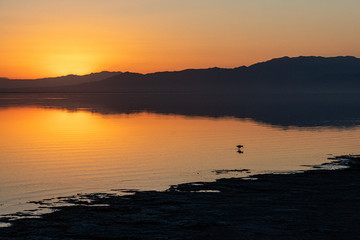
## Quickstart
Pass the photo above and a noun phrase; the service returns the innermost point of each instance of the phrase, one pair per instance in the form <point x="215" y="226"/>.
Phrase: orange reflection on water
<point x="27" y="125"/>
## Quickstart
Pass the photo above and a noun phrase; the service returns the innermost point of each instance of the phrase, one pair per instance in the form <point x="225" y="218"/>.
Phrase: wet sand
<point x="316" y="204"/>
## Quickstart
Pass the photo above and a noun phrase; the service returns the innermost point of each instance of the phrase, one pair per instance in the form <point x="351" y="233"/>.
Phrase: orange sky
<point x="41" y="38"/>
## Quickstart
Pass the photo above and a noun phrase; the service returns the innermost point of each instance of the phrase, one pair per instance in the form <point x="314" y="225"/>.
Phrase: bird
<point x="239" y="149"/>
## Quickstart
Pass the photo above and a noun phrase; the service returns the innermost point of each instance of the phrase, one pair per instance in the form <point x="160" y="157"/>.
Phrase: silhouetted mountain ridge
<point x="300" y="67"/>
<point x="301" y="74"/>
<point x="55" y="81"/>
<point x="280" y="75"/>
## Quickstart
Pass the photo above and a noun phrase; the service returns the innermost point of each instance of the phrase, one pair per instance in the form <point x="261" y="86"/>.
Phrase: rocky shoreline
<point x="316" y="204"/>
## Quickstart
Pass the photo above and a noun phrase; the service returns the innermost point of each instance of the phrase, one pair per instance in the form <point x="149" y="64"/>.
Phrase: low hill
<point x="54" y="82"/>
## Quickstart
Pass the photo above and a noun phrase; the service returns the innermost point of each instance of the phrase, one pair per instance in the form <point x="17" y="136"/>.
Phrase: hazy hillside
<point x="298" y="75"/>
<point x="56" y="81"/>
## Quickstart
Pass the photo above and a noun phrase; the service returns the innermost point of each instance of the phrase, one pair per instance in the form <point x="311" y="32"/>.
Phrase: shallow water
<point x="47" y="152"/>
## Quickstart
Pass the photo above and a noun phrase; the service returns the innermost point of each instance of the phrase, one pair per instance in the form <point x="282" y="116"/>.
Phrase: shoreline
<point x="314" y="204"/>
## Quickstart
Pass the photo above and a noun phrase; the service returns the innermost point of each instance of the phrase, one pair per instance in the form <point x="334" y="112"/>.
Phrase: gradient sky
<point x="42" y="38"/>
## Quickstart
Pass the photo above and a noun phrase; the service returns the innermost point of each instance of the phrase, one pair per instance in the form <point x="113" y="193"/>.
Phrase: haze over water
<point x="52" y="152"/>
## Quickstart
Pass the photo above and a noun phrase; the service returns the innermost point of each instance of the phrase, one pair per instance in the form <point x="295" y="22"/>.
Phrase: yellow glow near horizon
<point x="50" y="38"/>
<point x="71" y="63"/>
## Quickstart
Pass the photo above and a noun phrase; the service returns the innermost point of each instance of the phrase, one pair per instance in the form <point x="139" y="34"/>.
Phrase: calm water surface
<point x="47" y="153"/>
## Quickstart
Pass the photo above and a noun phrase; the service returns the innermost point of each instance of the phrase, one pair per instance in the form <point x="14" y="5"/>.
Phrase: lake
<point x="49" y="150"/>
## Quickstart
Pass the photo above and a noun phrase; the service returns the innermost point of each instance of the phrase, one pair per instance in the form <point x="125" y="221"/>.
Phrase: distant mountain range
<point x="55" y="81"/>
<point x="297" y="75"/>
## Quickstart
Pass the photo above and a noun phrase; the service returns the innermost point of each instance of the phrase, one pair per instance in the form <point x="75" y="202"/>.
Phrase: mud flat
<point x="316" y="204"/>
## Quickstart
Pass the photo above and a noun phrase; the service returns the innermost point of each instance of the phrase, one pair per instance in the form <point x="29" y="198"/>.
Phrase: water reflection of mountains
<point x="301" y="110"/>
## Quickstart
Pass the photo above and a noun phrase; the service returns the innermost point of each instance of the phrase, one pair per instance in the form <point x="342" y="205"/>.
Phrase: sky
<point x="42" y="38"/>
